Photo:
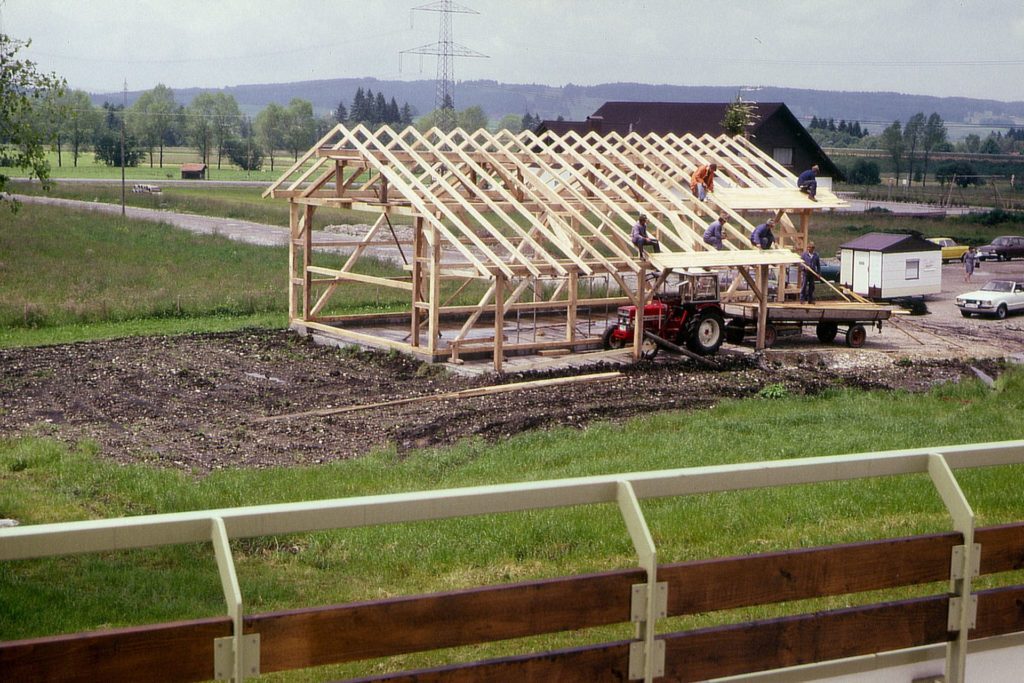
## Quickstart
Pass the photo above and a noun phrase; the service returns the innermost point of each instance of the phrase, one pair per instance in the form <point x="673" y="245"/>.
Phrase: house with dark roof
<point x="776" y="130"/>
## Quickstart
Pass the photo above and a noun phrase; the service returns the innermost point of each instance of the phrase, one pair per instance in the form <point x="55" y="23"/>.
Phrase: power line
<point x="446" y="49"/>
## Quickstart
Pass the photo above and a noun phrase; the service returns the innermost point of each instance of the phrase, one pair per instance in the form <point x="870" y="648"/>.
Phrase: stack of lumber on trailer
<point x="509" y="224"/>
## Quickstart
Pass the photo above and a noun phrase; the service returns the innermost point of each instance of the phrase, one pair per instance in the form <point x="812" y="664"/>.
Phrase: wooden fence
<point x="296" y="639"/>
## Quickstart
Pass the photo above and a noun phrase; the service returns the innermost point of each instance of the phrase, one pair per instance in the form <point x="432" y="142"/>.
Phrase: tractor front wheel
<point x="609" y="342"/>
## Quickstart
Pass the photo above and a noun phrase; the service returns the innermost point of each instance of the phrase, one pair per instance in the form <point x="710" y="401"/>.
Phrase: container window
<point x="913" y="269"/>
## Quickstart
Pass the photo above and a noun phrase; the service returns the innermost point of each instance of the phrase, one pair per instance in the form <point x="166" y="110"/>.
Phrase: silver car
<point x="997" y="297"/>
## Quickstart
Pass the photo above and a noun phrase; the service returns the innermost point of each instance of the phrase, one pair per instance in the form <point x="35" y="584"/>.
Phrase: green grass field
<point x="43" y="481"/>
<point x="174" y="157"/>
<point x="71" y="276"/>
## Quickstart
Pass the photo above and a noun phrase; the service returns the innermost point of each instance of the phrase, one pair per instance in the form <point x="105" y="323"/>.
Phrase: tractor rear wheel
<point x="708" y="334"/>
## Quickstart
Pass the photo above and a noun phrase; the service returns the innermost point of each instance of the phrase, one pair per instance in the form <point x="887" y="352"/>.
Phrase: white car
<point x="997" y="297"/>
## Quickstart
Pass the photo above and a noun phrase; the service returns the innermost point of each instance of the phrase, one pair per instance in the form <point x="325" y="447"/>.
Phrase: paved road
<point x="243" y="231"/>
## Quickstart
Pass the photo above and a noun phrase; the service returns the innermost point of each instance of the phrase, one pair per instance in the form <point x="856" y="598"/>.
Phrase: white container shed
<point x="880" y="265"/>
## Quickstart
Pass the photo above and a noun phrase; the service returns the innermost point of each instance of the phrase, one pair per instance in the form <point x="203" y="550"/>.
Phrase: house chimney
<point x="595" y="124"/>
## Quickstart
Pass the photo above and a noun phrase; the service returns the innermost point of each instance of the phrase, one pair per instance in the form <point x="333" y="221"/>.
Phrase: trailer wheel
<point x="708" y="334"/>
<point x="856" y="336"/>
<point x="609" y="342"/>
<point x="826" y="332"/>
<point x="771" y="335"/>
<point x="735" y="331"/>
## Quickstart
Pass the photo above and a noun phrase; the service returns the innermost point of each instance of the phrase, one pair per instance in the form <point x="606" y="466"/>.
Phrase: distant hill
<point x="577" y="101"/>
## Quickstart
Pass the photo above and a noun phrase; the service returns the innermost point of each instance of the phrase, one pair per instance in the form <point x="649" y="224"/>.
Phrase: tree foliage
<point x="22" y="89"/>
<point x="154" y="118"/>
<point x="894" y="143"/>
<point x="864" y="172"/>
<point x="739" y="116"/>
<point x="107" y="149"/>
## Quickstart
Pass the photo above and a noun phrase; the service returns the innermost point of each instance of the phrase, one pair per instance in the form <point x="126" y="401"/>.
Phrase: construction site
<point x="535" y="228"/>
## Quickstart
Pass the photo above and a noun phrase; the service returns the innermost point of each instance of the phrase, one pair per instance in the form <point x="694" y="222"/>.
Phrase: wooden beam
<point x="452" y="395"/>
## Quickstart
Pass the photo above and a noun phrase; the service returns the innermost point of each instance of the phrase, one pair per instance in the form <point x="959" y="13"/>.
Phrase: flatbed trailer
<point x="828" y="318"/>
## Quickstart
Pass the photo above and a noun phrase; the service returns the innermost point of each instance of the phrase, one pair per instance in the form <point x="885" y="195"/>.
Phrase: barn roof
<point x="696" y="118"/>
<point x="890" y="243"/>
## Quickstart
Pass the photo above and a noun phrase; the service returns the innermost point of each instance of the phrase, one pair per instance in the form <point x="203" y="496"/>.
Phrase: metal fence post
<point x="238" y="655"/>
<point x="964" y="566"/>
<point x="649" y="601"/>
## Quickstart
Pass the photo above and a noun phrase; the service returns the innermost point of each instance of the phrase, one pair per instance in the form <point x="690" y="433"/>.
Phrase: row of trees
<point x="852" y="128"/>
<point x="920" y="135"/>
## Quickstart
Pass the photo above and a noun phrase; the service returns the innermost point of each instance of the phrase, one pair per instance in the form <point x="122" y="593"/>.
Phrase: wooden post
<point x="339" y="177"/>
<point x="418" y="255"/>
<point x="570" y="318"/>
<point x="307" y="261"/>
<point x="433" y="327"/>
<point x="293" y="287"/>
<point x="762" y="305"/>
<point x="499" y="318"/>
<point x="638" y="326"/>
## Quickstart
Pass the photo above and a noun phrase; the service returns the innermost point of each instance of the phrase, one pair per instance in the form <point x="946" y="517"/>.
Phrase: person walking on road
<point x="969" y="261"/>
<point x="813" y="268"/>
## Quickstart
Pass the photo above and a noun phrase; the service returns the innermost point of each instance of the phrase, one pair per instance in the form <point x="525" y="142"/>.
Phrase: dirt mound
<point x="192" y="402"/>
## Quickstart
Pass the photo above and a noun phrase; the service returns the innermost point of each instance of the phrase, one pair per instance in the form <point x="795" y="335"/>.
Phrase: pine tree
<point x="407" y="115"/>
<point x="341" y="114"/>
<point x="357" y="114"/>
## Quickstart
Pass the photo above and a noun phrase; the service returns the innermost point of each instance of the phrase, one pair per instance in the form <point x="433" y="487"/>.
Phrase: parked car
<point x="997" y="297"/>
<point x="951" y="251"/>
<point x="1002" y="249"/>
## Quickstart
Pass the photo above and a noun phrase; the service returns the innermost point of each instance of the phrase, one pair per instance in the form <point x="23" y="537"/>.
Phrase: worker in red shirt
<point x="702" y="182"/>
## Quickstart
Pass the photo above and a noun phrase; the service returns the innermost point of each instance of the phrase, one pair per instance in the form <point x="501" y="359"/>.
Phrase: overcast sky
<point x="971" y="48"/>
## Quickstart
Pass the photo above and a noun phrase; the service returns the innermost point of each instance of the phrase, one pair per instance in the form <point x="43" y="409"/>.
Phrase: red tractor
<point x="693" y="318"/>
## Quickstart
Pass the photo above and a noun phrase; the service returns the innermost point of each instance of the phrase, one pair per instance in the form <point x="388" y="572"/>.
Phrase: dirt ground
<point x="192" y="402"/>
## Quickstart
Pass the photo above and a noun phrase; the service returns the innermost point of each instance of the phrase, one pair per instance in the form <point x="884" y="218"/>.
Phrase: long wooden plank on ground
<point x="164" y="653"/>
<point x="464" y="393"/>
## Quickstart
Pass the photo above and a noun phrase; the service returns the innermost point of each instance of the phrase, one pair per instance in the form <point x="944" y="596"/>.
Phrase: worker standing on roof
<point x="713" y="235"/>
<point x="808" y="182"/>
<point x="640" y="238"/>
<point x="702" y="182"/>
<point x="812" y="264"/>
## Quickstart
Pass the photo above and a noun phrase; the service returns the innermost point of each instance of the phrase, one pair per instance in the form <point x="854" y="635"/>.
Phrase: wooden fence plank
<point x="606" y="663"/>
<point x="804" y="639"/>
<point x="1000" y="610"/>
<point x="166" y="653"/>
<point x="1002" y="547"/>
<point x="750" y="647"/>
<point x="728" y="583"/>
<point x="313" y="637"/>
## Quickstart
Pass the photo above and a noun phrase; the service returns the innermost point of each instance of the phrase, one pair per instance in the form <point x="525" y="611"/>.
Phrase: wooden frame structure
<point x="534" y="220"/>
